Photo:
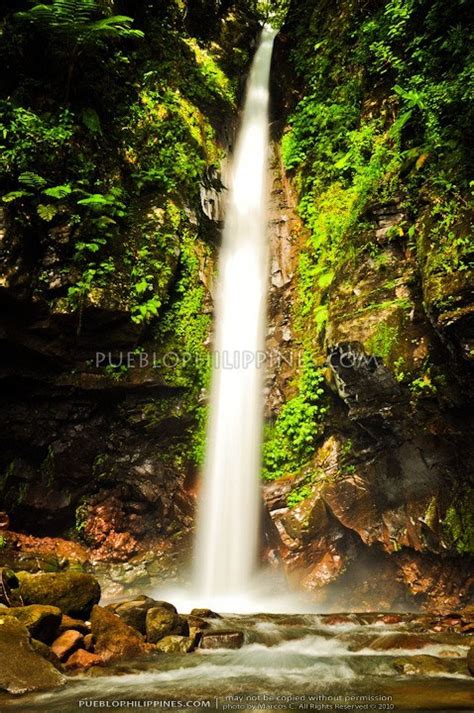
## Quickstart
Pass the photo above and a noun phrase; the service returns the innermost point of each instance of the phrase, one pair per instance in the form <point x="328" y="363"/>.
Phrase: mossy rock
<point x="176" y="644"/>
<point x="470" y="660"/>
<point x="74" y="593"/>
<point x="162" y="621"/>
<point x="134" y="612"/>
<point x="113" y="639"/>
<point x="425" y="665"/>
<point x="43" y="650"/>
<point x="42" y="621"/>
<point x="23" y="669"/>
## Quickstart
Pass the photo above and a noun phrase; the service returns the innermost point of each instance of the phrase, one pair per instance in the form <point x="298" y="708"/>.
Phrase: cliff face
<point x="111" y="187"/>
<point x="373" y="500"/>
<point x="112" y="179"/>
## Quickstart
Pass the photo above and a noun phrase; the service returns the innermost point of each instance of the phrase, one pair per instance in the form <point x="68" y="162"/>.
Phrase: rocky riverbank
<point x="53" y="628"/>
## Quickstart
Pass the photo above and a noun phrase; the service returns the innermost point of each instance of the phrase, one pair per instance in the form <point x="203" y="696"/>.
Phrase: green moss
<point x="183" y="332"/>
<point x="291" y="440"/>
<point x="209" y="70"/>
<point x="295" y="497"/>
<point x="384" y="339"/>
<point x="458" y="524"/>
<point x="350" y="146"/>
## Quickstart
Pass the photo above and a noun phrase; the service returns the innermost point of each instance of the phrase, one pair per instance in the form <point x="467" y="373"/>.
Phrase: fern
<point x="32" y="180"/>
<point x="91" y="120"/>
<point x="14" y="196"/>
<point x="78" y="27"/>
<point x="77" y="19"/>
<point x="58" y="192"/>
<point x="46" y="212"/>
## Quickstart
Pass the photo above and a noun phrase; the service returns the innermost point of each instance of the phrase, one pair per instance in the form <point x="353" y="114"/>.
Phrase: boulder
<point x="9" y="593"/>
<point x="176" y="644"/>
<point x="222" y="640"/>
<point x="22" y="669"/>
<point x="67" y="622"/>
<point x="88" y="642"/>
<point x="338" y="619"/>
<point x="205" y="614"/>
<point x="42" y="621"/>
<point x="45" y="651"/>
<point x="162" y="621"/>
<point x="195" y="622"/>
<point x="113" y="639"/>
<point x="67" y="643"/>
<point x="82" y="660"/>
<point x="134" y="612"/>
<point x="423" y="665"/>
<point x="470" y="660"/>
<point x="399" y="641"/>
<point x="75" y="593"/>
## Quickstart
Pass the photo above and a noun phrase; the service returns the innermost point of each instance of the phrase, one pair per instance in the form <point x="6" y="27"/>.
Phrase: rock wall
<point x="101" y="435"/>
<point x="376" y="510"/>
<point x="369" y="392"/>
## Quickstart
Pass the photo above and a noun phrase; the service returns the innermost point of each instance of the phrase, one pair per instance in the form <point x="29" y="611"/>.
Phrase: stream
<point x="288" y="662"/>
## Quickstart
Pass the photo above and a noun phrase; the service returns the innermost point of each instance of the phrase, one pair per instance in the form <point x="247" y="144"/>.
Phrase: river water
<point x="288" y="662"/>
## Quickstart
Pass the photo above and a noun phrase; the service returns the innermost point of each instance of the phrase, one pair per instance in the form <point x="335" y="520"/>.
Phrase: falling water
<point x="228" y="515"/>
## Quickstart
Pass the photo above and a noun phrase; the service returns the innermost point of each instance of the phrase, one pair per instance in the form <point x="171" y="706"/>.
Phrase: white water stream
<point x="229" y="504"/>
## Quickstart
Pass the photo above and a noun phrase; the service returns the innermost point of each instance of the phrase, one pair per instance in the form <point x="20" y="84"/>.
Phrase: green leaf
<point x="343" y="162"/>
<point x="320" y="316"/>
<point x="58" y="191"/>
<point x="14" y="195"/>
<point x="91" y="247"/>
<point x="400" y="122"/>
<point x="95" y="200"/>
<point x="33" y="180"/>
<point x="141" y="287"/>
<point x="47" y="212"/>
<point x="91" y="120"/>
<point x="326" y="279"/>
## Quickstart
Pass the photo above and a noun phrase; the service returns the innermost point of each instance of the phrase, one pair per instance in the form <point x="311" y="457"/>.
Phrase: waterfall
<point x="229" y="504"/>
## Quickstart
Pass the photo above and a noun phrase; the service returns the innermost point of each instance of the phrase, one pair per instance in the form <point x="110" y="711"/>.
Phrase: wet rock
<point x="66" y="644"/>
<point x="134" y="612"/>
<point x="422" y="665"/>
<point x="338" y="619"/>
<point x="9" y="594"/>
<point x="82" y="660"/>
<point x="470" y="660"/>
<point x="195" y="622"/>
<point x="42" y="621"/>
<point x="176" y="644"/>
<point x="23" y="669"/>
<point x="67" y="622"/>
<point x="399" y="641"/>
<point x="222" y="640"/>
<point x="89" y="642"/>
<point x="75" y="593"/>
<point x="391" y="618"/>
<point x="356" y="640"/>
<point x="45" y="651"/>
<point x="113" y="639"/>
<point x="205" y="614"/>
<point x="162" y="621"/>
